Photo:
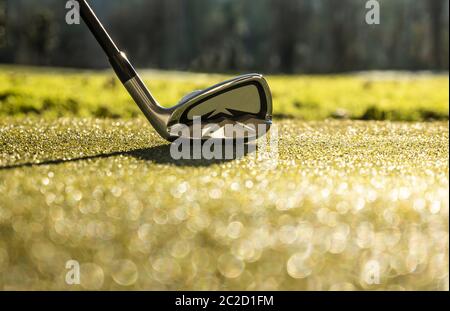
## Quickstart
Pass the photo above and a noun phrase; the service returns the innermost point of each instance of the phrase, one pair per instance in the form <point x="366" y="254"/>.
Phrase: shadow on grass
<point x="158" y="155"/>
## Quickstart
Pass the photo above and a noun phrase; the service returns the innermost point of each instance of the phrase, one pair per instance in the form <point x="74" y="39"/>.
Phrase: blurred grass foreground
<point x="359" y="203"/>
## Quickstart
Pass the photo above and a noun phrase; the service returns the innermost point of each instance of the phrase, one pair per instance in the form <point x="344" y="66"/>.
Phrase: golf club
<point x="244" y="102"/>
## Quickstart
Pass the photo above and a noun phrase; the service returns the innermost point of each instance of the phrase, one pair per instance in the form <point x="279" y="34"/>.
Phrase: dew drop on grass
<point x="165" y="270"/>
<point x="288" y="234"/>
<point x="234" y="229"/>
<point x="298" y="267"/>
<point x="91" y="276"/>
<point x="124" y="272"/>
<point x="230" y="266"/>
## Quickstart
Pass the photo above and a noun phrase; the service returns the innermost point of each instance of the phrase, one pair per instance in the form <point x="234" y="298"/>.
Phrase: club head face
<point x="240" y="108"/>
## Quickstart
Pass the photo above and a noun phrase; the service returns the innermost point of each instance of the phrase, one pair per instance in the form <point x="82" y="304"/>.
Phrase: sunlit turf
<point x="382" y="96"/>
<point x="350" y="205"/>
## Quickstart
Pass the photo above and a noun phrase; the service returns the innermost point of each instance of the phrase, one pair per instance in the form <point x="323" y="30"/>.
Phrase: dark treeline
<point x="290" y="36"/>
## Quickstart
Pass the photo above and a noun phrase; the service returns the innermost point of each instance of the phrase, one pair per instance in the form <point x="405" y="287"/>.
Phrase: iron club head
<point x="240" y="108"/>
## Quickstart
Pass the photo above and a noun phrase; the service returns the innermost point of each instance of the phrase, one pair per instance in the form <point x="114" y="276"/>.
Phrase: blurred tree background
<point x="277" y="36"/>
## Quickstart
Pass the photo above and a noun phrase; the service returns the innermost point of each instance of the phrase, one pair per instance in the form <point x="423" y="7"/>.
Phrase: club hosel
<point x="156" y="115"/>
<point x="122" y="67"/>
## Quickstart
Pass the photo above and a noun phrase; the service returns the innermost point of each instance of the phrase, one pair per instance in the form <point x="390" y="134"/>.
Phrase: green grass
<point x="346" y="195"/>
<point x="56" y="93"/>
<point x="83" y="176"/>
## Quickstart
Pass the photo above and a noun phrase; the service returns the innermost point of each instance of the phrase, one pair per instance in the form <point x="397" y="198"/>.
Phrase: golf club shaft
<point x="118" y="60"/>
<point x="156" y="115"/>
